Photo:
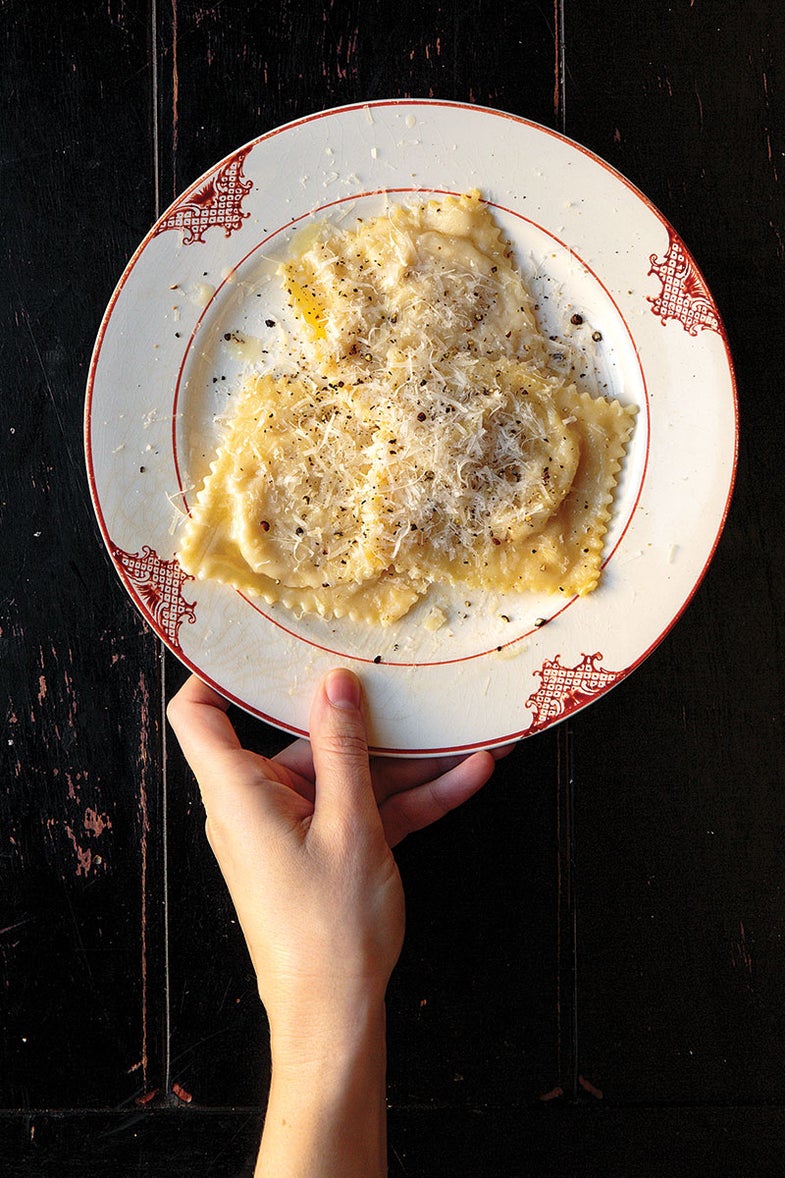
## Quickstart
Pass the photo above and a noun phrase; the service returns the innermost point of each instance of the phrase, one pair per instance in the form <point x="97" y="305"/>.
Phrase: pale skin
<point x="304" y="843"/>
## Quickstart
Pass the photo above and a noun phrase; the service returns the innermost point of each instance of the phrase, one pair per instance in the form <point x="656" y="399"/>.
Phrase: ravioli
<point x="423" y="435"/>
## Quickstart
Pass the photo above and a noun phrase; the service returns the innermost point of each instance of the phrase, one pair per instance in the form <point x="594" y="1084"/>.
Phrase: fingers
<point x="416" y="808"/>
<point x="339" y="745"/>
<point x="198" y="717"/>
<point x="393" y="775"/>
<point x="408" y="797"/>
<point x="226" y="773"/>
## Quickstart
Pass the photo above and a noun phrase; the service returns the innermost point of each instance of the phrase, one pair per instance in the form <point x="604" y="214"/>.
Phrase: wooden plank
<point x="680" y="804"/>
<point x="79" y="798"/>
<point x="582" y="1141"/>
<point x="588" y="1140"/>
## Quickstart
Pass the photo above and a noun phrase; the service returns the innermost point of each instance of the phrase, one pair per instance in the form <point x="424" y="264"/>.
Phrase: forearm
<point x="327" y="1110"/>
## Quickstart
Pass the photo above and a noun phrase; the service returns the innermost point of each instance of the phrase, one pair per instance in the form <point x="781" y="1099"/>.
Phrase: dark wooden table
<point x="593" y="981"/>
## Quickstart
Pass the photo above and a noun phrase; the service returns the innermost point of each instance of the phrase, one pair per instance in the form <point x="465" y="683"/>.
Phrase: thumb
<point x="339" y="745"/>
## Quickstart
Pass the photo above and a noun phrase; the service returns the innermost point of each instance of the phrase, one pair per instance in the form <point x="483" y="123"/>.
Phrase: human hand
<point x="303" y="841"/>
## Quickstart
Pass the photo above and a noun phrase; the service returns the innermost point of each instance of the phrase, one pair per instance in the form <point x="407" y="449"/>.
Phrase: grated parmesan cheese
<point x="422" y="433"/>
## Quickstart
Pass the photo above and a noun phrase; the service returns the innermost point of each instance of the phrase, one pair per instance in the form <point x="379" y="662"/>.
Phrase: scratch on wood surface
<point x="175" y="91"/>
<point x="554" y="1094"/>
<point x="587" y="1086"/>
<point x="436" y="48"/>
<point x="146" y="1097"/>
<point x="770" y="154"/>
<point x="84" y="856"/>
<point x="664" y="83"/>
<point x="769" y="148"/>
<point x="9" y="928"/>
<point x="66" y="433"/>
<point x="116" y="13"/>
<point x="398" y="1159"/>
<point x="206" y="12"/>
<point x="741" y="957"/>
<point x="96" y="823"/>
<point x="88" y="858"/>
<point x="76" y="824"/>
<point x="144" y="830"/>
<point x="699" y="101"/>
<point x="559" y="68"/>
<point x="346" y="52"/>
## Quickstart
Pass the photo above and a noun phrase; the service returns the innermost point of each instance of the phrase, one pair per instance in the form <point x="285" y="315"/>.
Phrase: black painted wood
<point x="584" y="1140"/>
<point x="602" y="926"/>
<point x="680" y="854"/>
<point x="81" y="982"/>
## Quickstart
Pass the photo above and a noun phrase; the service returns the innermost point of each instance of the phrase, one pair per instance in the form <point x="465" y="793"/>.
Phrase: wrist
<point x="332" y="1031"/>
<point x="327" y="1108"/>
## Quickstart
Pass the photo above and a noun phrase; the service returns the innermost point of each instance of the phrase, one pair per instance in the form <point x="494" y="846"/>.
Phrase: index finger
<point x="198" y="717"/>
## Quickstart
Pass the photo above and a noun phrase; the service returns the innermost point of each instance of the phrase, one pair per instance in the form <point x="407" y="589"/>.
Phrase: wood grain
<point x="81" y="757"/>
<point x="592" y="980"/>
<point x="679" y="857"/>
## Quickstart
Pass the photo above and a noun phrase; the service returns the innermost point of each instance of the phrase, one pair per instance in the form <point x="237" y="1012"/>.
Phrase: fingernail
<point x="343" y="689"/>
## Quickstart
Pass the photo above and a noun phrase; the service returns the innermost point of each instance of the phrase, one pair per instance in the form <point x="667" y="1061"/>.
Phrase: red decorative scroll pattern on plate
<point x="563" y="689"/>
<point x="159" y="585"/>
<point x="684" y="295"/>
<point x="218" y="201"/>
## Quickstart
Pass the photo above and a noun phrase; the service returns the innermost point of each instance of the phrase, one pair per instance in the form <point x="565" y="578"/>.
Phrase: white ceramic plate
<point x="199" y="300"/>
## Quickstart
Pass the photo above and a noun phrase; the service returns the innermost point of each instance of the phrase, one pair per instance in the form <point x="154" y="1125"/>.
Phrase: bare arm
<point x="303" y="842"/>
